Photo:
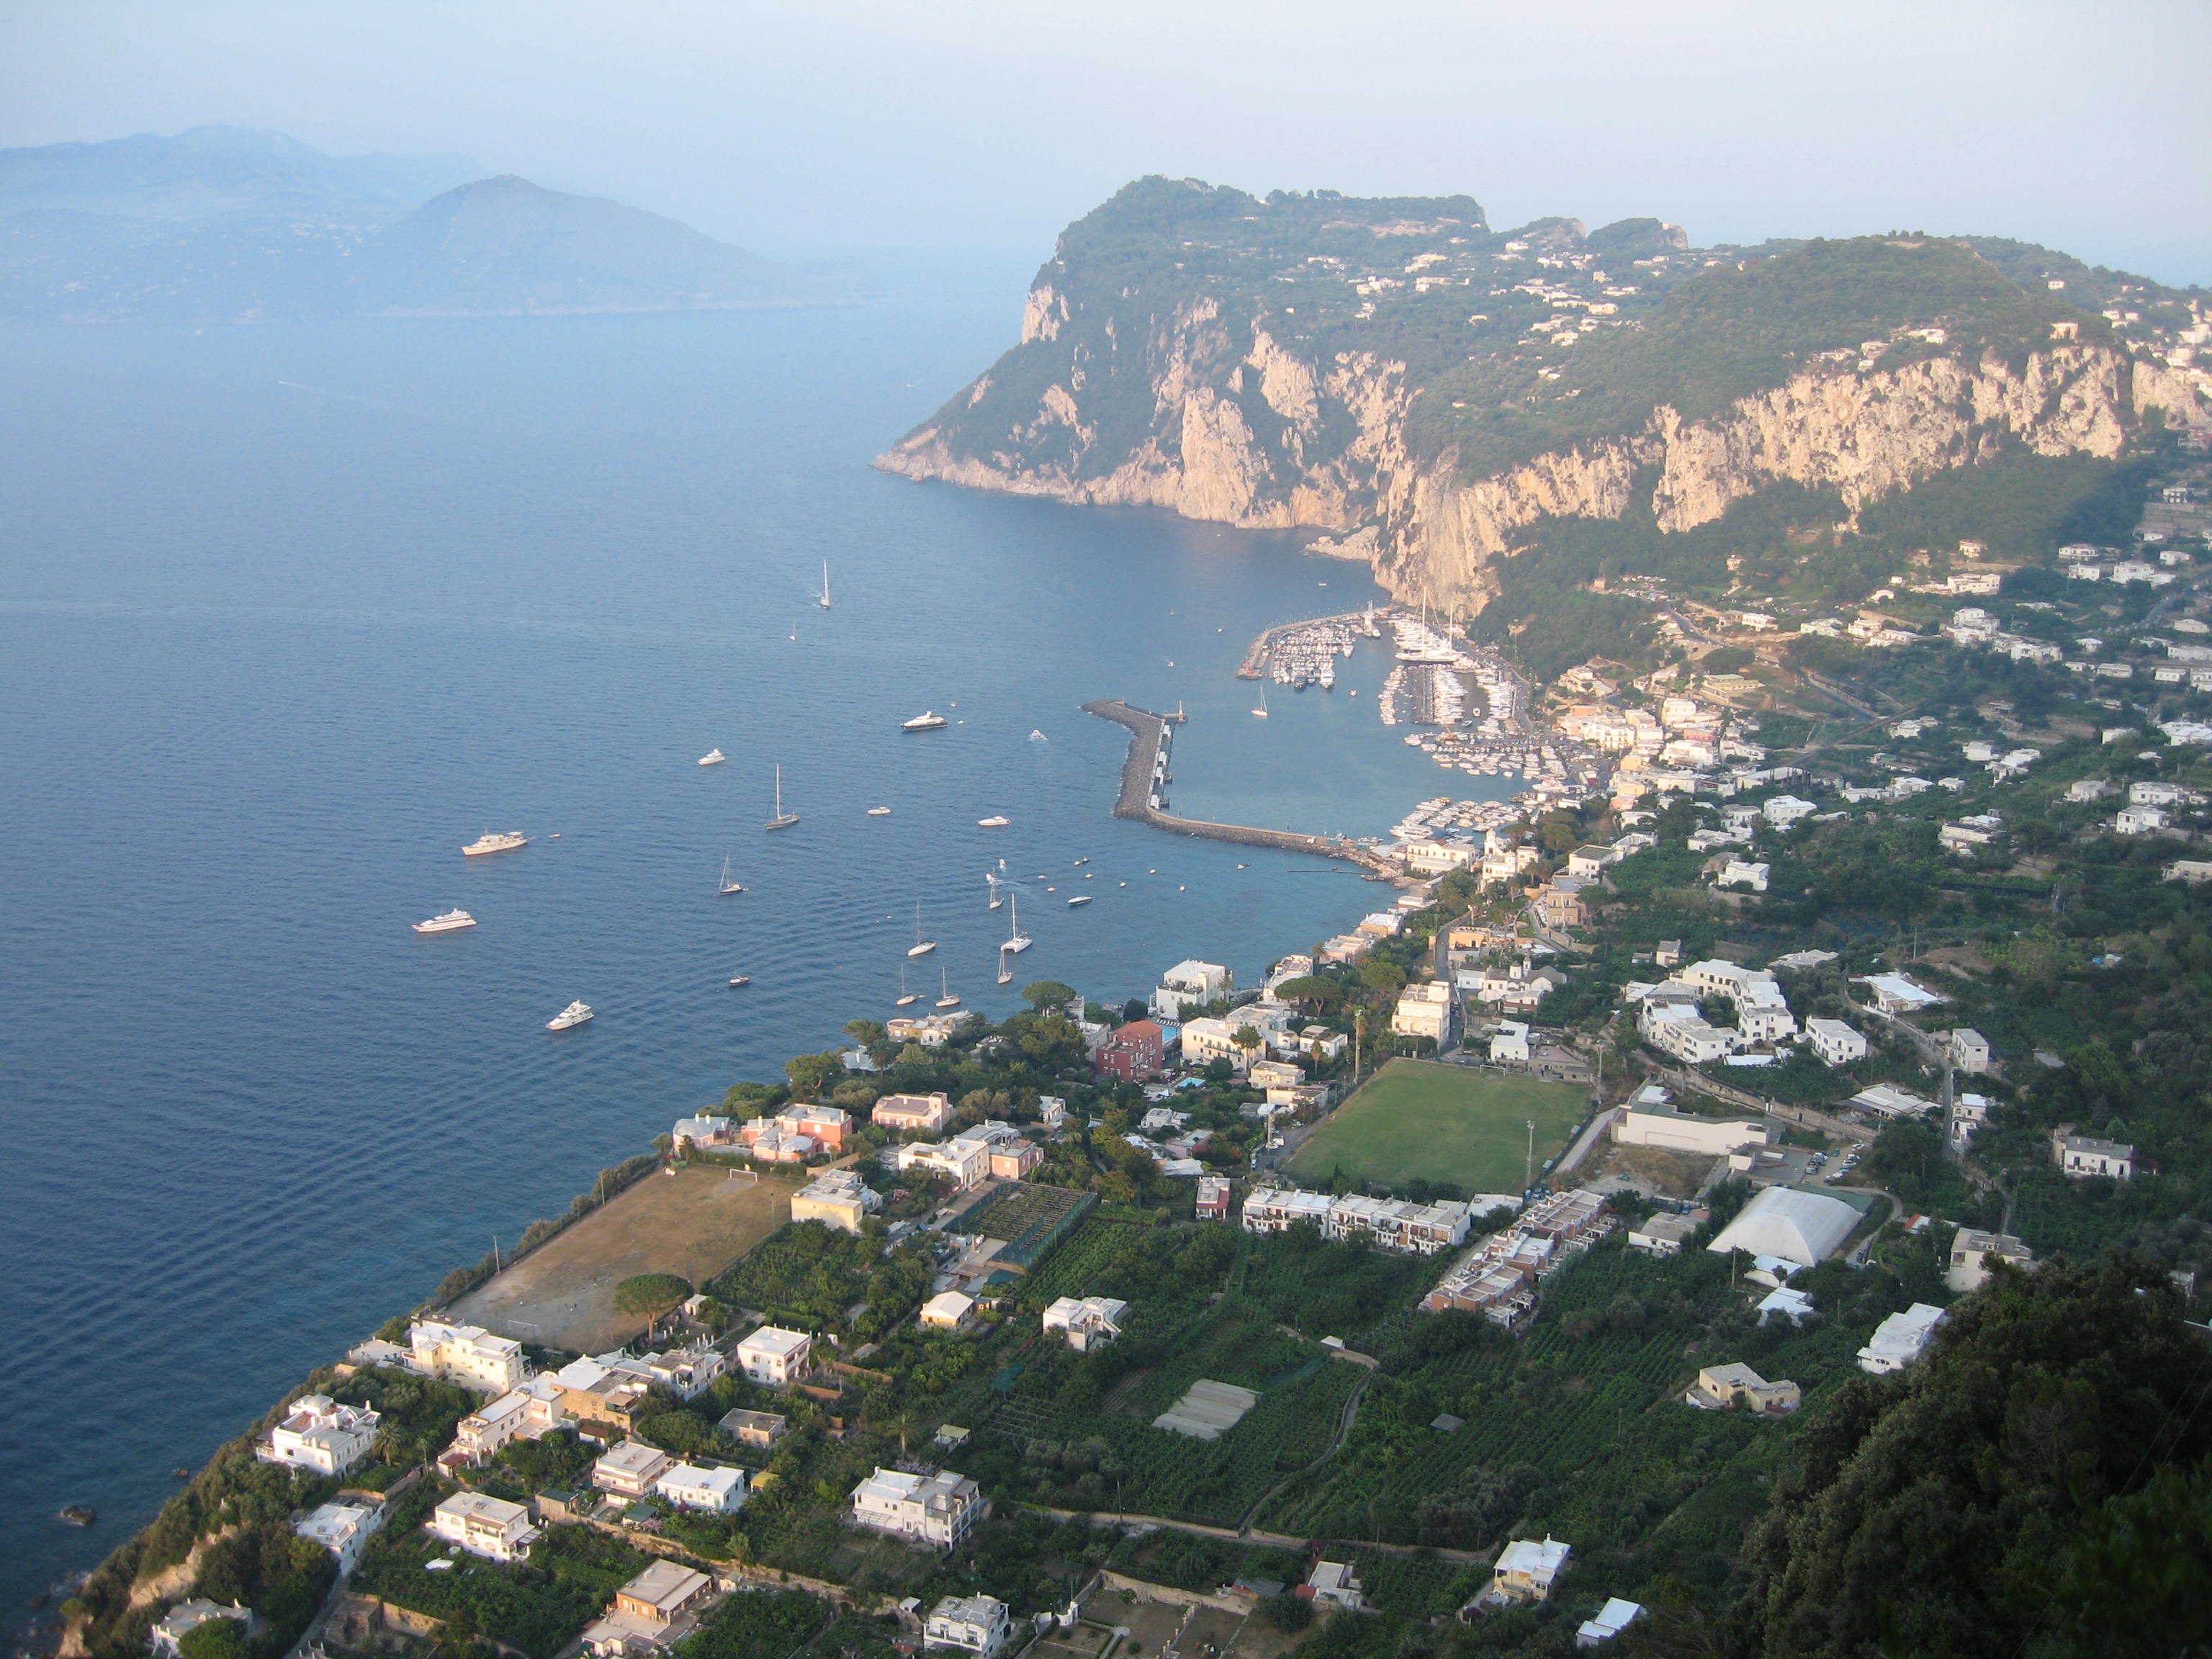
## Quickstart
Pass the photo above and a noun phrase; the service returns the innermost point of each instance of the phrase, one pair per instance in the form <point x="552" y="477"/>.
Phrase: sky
<point x="836" y="128"/>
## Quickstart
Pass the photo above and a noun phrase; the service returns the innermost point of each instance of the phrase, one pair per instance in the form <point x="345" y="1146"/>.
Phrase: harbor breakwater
<point x="1144" y="774"/>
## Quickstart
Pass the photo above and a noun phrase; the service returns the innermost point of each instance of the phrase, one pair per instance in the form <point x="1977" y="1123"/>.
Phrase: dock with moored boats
<point x="1302" y="653"/>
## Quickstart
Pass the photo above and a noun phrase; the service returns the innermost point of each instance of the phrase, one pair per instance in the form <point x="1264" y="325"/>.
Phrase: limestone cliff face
<point x="1157" y="389"/>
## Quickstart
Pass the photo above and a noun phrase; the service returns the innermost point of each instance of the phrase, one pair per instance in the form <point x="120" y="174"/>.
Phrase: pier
<point x="1145" y="772"/>
<point x="1362" y="623"/>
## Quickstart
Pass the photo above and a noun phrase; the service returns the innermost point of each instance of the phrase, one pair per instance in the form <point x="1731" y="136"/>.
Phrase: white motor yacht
<point x="929" y="720"/>
<point x="712" y="757"/>
<point x="451" y="922"/>
<point x="488" y="843"/>
<point x="993" y="822"/>
<point x="575" y="1014"/>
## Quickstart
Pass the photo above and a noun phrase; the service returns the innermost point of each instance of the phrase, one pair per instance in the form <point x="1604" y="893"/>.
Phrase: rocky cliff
<point x="1424" y="389"/>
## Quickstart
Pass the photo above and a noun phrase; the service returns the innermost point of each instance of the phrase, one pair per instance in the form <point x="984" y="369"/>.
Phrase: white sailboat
<point x="997" y="897"/>
<point x="1261" y="711"/>
<point x="782" y="820"/>
<point x="947" y="1000"/>
<point x="923" y="947"/>
<point x="1018" y="941"/>
<point x="822" y="598"/>
<point x="906" y="998"/>
<point x="1005" y="974"/>
<point x="728" y="885"/>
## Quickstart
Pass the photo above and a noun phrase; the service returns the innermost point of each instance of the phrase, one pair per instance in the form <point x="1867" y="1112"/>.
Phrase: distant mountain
<point x="224" y="224"/>
<point x="210" y="172"/>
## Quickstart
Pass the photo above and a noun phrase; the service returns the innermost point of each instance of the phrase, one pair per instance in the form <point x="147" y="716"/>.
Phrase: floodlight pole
<point x="1528" y="1171"/>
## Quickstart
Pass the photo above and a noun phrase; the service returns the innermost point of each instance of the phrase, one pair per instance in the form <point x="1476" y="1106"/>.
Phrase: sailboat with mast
<point x="1261" y="711"/>
<point x="906" y="998"/>
<point x="923" y="947"/>
<point x="822" y="598"/>
<point x="947" y="1000"/>
<point x="782" y="820"/>
<point x="991" y="880"/>
<point x="1005" y="973"/>
<point x="729" y="885"/>
<point x="1018" y="941"/>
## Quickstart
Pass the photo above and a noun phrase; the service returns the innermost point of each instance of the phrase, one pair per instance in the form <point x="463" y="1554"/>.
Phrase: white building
<point x="1970" y="1050"/>
<point x="2139" y="820"/>
<point x="2079" y="1157"/>
<point x="341" y="1528"/>
<point x="1661" y="1233"/>
<point x="522" y="1414"/>
<point x="320" y="1435"/>
<point x="1087" y="1321"/>
<point x="1335" y="1584"/>
<point x="1835" y="1042"/>
<point x="1741" y="872"/>
<point x="1893" y="993"/>
<point x="1526" y="1570"/>
<point x="467" y="1354"/>
<point x="1423" y="1010"/>
<point x="948" y="1310"/>
<point x="483" y="1525"/>
<point x="1974" y="1252"/>
<point x="1806" y="1228"/>
<point x="1762" y="1012"/>
<point x="689" y="1486"/>
<point x="1679" y="1132"/>
<point x="1191" y="984"/>
<point x="837" y="1197"/>
<point x="1607" y="1622"/>
<point x="1509" y="1043"/>
<point x="1676" y="1027"/>
<point x="931" y="1509"/>
<point x="186" y="1617"/>
<point x="970" y="1624"/>
<point x="775" y="1357"/>
<point x="1900" y="1340"/>
<point x="631" y="1469"/>
<point x="1396" y="1224"/>
<point x="1784" y="810"/>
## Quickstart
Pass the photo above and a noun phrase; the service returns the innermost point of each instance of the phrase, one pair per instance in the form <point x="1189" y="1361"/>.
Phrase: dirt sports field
<point x="1443" y="1123"/>
<point x="695" y="1222"/>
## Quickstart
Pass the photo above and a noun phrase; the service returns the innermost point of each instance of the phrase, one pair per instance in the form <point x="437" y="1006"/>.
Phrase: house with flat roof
<point x="1834" y="1041"/>
<point x="651" y="1613"/>
<point x="939" y="1508"/>
<point x="1607" y="1622"/>
<point x="1214" y="1198"/>
<point x="341" y="1528"/>
<point x="317" y="1434"/>
<point x="1974" y="1252"/>
<point x="718" y="1491"/>
<point x="484" y="1525"/>
<point x="522" y="1414"/>
<point x="838" y="1198"/>
<point x="629" y="1469"/>
<point x="1970" y="1050"/>
<point x="922" y="1114"/>
<point x="1661" y="1233"/>
<point x="1136" y="1052"/>
<point x="776" y="1357"/>
<point x="1527" y="1570"/>
<point x="1191" y="985"/>
<point x="1718" y="1387"/>
<point x="1086" y="1321"/>
<point x="1335" y="1584"/>
<point x="762" y="1429"/>
<point x="186" y="1617"/>
<point x="467" y="1354"/>
<point x="967" y="1623"/>
<point x="1900" y="1340"/>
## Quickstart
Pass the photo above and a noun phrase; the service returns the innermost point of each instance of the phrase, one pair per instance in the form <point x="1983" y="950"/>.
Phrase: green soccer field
<point x="1415" y="1118"/>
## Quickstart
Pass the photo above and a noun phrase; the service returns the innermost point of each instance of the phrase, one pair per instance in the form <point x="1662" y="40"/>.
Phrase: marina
<point x="1303" y="653"/>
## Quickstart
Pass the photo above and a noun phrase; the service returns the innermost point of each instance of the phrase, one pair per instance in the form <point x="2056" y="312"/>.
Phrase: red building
<point x="1137" y="1051"/>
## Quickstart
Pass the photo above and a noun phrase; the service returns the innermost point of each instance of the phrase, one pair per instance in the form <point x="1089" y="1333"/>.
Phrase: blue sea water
<point x="288" y="614"/>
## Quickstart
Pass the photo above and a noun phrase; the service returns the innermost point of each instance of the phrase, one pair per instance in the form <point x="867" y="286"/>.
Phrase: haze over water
<point x="289" y="614"/>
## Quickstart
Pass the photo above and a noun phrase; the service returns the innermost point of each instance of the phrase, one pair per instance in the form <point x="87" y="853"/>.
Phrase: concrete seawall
<point x="1145" y="768"/>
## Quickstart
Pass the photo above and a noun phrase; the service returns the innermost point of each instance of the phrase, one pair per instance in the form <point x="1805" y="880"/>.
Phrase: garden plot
<point x="1208" y="1411"/>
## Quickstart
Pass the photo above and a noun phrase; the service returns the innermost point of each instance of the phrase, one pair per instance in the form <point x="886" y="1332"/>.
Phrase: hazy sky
<point x="853" y="126"/>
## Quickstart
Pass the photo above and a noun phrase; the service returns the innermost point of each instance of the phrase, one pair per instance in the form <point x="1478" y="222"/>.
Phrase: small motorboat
<point x="879" y="812"/>
<point x="80" y="1515"/>
<point x="741" y="979"/>
<point x="1084" y="898"/>
<point x="994" y="822"/>
<point x="1079" y="862"/>
<point x="712" y="757"/>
